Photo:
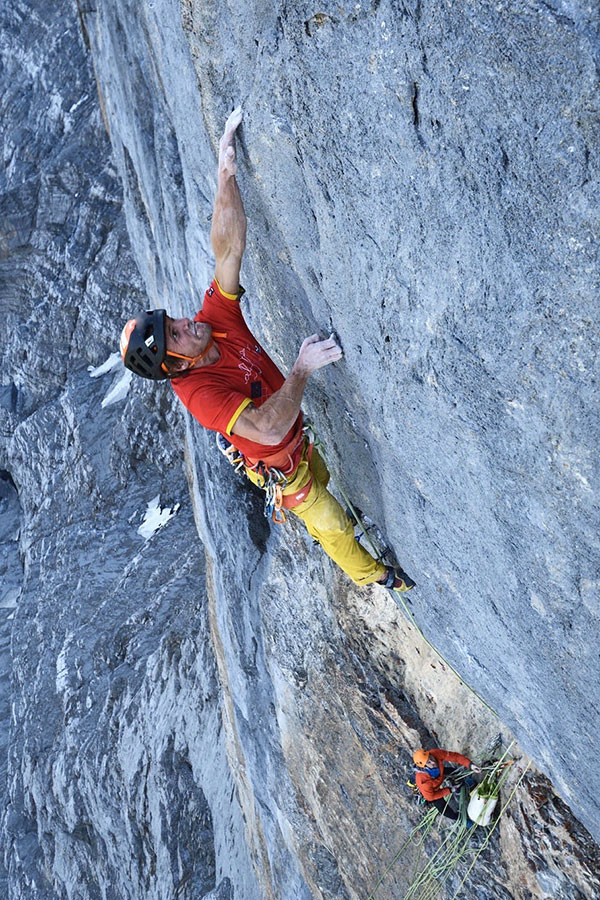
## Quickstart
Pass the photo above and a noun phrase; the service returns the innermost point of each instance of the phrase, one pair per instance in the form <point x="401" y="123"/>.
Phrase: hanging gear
<point x="273" y="483"/>
<point x="230" y="452"/>
<point x="274" y="473"/>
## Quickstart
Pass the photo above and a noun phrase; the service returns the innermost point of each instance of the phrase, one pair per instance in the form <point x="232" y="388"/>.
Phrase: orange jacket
<point x="430" y="787"/>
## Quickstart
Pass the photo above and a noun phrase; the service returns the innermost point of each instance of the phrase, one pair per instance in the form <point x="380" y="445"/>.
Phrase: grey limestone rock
<point x="211" y="710"/>
<point x="104" y="798"/>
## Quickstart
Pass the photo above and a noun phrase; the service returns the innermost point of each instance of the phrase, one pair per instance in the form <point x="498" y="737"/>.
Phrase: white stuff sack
<point x="480" y="809"/>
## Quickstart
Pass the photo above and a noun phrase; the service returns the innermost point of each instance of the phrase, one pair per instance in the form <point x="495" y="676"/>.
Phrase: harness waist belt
<point x="285" y="460"/>
<point x="290" y="501"/>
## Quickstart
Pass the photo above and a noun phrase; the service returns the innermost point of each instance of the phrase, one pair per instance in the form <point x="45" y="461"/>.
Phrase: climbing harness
<point x="274" y="473"/>
<point x="418" y="797"/>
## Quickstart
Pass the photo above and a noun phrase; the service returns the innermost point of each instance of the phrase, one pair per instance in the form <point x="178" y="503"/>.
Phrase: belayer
<point x="430" y="775"/>
<point x="225" y="379"/>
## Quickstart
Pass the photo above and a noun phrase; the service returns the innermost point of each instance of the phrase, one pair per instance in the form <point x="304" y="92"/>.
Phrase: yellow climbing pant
<point x="326" y="521"/>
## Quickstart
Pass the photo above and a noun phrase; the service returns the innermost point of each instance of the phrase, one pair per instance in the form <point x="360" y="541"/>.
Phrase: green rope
<point x="417" y="863"/>
<point x="425" y="825"/>
<point x="427" y="883"/>
<point x="439" y="873"/>
<point x="380" y="558"/>
<point x="491" y="831"/>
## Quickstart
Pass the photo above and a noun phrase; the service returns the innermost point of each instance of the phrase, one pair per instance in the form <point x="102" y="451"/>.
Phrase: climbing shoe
<point x="397" y="580"/>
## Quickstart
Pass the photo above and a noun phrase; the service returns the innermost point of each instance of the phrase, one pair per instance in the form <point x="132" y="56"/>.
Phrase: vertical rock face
<point x="112" y="774"/>
<point x="11" y="577"/>
<point x="226" y="716"/>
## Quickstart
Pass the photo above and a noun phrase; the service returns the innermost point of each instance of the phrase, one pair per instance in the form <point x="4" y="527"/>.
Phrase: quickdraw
<point x="229" y="452"/>
<point x="274" y="482"/>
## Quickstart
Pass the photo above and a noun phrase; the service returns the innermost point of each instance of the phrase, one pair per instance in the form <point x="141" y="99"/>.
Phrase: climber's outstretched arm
<point x="228" y="231"/>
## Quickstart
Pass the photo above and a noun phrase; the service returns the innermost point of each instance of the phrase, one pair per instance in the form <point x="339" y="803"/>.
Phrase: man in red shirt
<point x="227" y="381"/>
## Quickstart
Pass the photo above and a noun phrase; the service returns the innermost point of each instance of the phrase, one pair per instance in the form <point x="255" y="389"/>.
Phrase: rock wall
<point x="227" y="716"/>
<point x="424" y="182"/>
<point x="115" y="785"/>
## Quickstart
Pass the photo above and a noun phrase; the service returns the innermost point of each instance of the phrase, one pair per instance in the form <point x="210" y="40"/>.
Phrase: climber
<point x="226" y="380"/>
<point x="430" y="774"/>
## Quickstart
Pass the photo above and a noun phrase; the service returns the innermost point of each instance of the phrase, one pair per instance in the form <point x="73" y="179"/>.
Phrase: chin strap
<point x="195" y="359"/>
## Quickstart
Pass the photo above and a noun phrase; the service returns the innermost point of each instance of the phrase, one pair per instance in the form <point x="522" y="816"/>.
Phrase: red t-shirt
<point x="216" y="394"/>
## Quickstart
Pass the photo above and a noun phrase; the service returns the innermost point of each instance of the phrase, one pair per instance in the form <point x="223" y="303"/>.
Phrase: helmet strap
<point x="191" y="359"/>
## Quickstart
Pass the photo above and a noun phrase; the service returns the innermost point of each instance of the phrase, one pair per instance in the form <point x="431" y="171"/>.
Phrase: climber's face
<point x="187" y="338"/>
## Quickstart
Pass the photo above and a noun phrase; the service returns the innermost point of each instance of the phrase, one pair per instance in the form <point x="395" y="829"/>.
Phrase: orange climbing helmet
<point x="420" y="758"/>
